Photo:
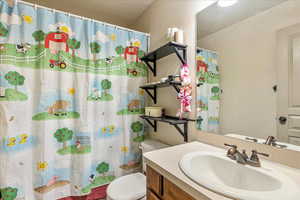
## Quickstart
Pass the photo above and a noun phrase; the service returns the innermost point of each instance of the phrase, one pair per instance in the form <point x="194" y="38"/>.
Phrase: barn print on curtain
<point x="208" y="90"/>
<point x="69" y="104"/>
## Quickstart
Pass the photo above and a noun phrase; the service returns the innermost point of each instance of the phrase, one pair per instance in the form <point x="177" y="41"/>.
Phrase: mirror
<point x="248" y="71"/>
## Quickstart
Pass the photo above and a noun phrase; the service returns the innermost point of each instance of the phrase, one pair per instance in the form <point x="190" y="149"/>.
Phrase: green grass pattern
<point x="47" y="116"/>
<point x="13" y="95"/>
<point x="74" y="150"/>
<point x="38" y="58"/>
<point x="131" y="112"/>
<point x="104" y="97"/>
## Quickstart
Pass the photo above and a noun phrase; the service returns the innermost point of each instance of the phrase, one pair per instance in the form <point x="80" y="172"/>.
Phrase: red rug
<point x="97" y="193"/>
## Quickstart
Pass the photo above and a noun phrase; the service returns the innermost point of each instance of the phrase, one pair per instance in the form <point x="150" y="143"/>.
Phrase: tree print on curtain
<point x="208" y="90"/>
<point x="69" y="104"/>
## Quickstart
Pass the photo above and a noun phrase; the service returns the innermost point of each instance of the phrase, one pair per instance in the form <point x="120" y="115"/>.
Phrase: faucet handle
<point x="270" y="140"/>
<point x="262" y="154"/>
<point x="254" y="159"/>
<point x="232" y="151"/>
<point x="244" y="154"/>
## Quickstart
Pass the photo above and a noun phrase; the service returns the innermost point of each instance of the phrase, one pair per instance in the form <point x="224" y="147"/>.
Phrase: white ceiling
<point x="215" y="18"/>
<point x="119" y="12"/>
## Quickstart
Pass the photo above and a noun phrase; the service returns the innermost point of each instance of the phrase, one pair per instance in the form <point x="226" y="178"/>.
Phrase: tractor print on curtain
<point x="70" y="100"/>
<point x="56" y="42"/>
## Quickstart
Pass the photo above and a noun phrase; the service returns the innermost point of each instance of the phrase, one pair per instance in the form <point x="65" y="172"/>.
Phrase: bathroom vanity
<point x="160" y="188"/>
<point x="167" y="181"/>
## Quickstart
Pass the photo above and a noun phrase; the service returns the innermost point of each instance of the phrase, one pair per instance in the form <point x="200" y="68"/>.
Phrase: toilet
<point x="133" y="186"/>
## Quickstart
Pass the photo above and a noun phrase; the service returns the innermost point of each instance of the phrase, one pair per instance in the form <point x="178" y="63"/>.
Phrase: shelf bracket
<point x="176" y="88"/>
<point x="181" y="54"/>
<point x="154" y="95"/>
<point x="154" y="124"/>
<point x="152" y="68"/>
<point x="183" y="132"/>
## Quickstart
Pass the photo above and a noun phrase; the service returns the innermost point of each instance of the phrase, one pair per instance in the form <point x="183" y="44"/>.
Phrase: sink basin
<point x="222" y="175"/>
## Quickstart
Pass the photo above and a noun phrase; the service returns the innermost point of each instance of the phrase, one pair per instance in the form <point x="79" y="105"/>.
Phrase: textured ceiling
<point x="215" y="18"/>
<point x="120" y="12"/>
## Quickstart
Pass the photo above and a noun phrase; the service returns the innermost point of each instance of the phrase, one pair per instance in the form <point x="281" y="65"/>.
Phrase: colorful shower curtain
<point x="69" y="104"/>
<point x="208" y="90"/>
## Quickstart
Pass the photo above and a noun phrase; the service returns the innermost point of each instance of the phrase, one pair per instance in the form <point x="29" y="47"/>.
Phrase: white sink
<point x="222" y="175"/>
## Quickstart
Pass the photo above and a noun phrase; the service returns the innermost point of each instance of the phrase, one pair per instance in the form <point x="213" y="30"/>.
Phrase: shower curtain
<point x="208" y="90"/>
<point x="69" y="103"/>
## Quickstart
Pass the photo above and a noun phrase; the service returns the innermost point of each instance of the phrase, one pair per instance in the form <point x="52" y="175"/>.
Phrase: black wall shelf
<point x="151" y="61"/>
<point x="153" y="87"/>
<point x="175" y="121"/>
<point x="168" y="49"/>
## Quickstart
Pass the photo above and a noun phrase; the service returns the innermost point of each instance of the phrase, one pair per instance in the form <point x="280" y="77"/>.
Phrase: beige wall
<point x="76" y="7"/>
<point x="182" y="13"/>
<point x="156" y="20"/>
<point x="248" y="70"/>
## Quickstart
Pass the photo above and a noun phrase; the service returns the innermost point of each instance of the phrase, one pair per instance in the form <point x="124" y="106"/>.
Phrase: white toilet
<point x="133" y="186"/>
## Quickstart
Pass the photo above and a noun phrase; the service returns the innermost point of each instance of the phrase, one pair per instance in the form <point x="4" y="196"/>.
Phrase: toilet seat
<point x="129" y="187"/>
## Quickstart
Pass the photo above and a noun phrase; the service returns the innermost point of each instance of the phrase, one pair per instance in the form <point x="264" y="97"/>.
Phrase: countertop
<point x="261" y="141"/>
<point x="165" y="161"/>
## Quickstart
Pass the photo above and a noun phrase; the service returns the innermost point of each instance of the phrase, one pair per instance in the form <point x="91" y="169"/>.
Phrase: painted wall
<point x="161" y="15"/>
<point x="248" y="70"/>
<point x="76" y="7"/>
<point x="156" y="20"/>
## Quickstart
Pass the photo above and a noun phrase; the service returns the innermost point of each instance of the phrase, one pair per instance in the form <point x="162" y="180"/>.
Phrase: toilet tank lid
<point x="129" y="187"/>
<point x="150" y="145"/>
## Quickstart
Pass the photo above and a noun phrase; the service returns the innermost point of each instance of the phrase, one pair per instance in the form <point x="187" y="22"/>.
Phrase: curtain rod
<point x="81" y="17"/>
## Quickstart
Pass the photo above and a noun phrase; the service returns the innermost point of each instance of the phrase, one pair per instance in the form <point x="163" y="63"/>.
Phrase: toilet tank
<point x="151" y="145"/>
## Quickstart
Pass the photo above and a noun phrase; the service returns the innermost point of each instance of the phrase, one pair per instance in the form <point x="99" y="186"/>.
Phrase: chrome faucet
<point x="271" y="140"/>
<point x="242" y="158"/>
<point x="254" y="159"/>
<point x="234" y="154"/>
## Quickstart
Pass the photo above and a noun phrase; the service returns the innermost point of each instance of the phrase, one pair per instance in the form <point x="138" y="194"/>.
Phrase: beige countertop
<point x="165" y="161"/>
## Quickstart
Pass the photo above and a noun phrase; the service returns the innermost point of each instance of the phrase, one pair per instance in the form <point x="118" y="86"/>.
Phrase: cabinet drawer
<point x="172" y="192"/>
<point x="154" y="181"/>
<point x="151" y="196"/>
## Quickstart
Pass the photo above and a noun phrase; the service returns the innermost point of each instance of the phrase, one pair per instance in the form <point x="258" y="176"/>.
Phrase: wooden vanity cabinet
<point x="160" y="188"/>
<point x="151" y="195"/>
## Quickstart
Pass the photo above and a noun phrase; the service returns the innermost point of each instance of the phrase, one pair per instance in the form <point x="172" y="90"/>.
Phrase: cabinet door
<point x="154" y="181"/>
<point x="172" y="192"/>
<point x="151" y="196"/>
